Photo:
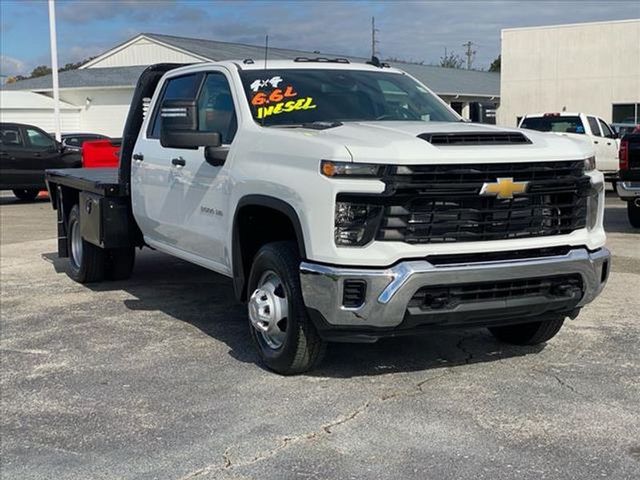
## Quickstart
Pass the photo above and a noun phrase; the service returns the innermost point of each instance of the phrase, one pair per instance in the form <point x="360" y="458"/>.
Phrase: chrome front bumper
<point x="628" y="190"/>
<point x="388" y="291"/>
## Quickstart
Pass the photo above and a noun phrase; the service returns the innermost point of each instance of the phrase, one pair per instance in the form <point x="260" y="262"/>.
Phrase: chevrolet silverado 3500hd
<point x="346" y="201"/>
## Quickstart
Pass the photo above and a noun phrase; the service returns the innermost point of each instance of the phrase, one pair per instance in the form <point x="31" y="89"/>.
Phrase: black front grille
<point x="475" y="138"/>
<point x="446" y="298"/>
<point x="441" y="204"/>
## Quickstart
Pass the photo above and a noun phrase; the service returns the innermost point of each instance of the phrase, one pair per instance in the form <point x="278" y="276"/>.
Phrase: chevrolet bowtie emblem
<point x="504" y="188"/>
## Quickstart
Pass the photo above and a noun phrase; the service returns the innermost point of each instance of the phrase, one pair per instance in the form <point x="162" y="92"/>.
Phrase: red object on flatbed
<point x="101" y="153"/>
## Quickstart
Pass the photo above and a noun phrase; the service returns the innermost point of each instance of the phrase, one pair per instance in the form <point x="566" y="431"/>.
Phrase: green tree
<point x="495" y="65"/>
<point x="451" y="60"/>
<point x="40" y="71"/>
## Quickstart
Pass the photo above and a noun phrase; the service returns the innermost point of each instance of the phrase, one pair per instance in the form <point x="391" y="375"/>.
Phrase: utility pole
<point x="374" y="42"/>
<point x="470" y="53"/>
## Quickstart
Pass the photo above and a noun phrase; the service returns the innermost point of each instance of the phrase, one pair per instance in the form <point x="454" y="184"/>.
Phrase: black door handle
<point x="595" y="141"/>
<point x="138" y="156"/>
<point x="178" y="162"/>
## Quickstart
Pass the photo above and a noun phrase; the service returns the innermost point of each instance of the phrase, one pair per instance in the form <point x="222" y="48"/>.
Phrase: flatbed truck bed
<point x="103" y="181"/>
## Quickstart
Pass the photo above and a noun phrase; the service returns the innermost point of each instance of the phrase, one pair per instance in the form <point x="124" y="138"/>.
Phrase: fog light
<point x="355" y="223"/>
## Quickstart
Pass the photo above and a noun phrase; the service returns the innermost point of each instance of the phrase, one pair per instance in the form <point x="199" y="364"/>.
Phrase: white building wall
<point x="43" y="118"/>
<point x="580" y="68"/>
<point x="102" y="110"/>
<point x="142" y="52"/>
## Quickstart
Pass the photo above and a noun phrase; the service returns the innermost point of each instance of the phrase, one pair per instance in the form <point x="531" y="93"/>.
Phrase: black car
<point x="73" y="141"/>
<point x="25" y="152"/>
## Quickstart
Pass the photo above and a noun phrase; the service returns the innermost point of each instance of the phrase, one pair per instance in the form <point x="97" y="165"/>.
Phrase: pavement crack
<point x="341" y="421"/>
<point x="326" y="429"/>
<point x="565" y="384"/>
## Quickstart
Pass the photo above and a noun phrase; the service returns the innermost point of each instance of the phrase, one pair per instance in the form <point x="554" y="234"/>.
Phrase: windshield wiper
<point x="318" y="125"/>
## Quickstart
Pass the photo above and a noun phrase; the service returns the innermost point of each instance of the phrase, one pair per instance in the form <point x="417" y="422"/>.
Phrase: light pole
<point x="54" y="68"/>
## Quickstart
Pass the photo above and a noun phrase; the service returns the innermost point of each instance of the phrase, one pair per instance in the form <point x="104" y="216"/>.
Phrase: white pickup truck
<point x="590" y="128"/>
<point x="346" y="201"/>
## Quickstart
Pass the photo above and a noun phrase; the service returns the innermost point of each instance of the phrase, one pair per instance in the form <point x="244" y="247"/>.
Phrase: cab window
<point x="606" y="131"/>
<point x="184" y="87"/>
<point x="37" y="139"/>
<point x="593" y="124"/>
<point x="554" y="123"/>
<point x="216" y="112"/>
<point x="10" y="137"/>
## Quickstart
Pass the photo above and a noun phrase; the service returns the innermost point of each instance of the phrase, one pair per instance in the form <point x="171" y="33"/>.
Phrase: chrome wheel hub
<point x="269" y="309"/>
<point x="76" y="244"/>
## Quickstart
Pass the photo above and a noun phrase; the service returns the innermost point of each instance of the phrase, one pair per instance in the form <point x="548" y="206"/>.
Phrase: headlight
<point x="348" y="169"/>
<point x="355" y="223"/>
<point x="589" y="164"/>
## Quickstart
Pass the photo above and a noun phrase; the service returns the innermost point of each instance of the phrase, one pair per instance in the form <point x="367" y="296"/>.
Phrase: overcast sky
<point x="417" y="31"/>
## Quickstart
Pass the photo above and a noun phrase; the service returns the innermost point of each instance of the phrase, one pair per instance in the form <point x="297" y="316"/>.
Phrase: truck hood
<point x="398" y="142"/>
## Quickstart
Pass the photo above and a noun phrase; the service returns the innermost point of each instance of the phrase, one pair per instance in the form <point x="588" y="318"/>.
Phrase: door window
<point x="606" y="131"/>
<point x="10" y="137"/>
<point x="216" y="112"/>
<point x="593" y="123"/>
<point x="39" y="140"/>
<point x="184" y="87"/>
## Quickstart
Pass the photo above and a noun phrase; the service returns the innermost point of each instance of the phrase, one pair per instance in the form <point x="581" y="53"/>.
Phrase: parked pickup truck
<point x="346" y="201"/>
<point x="25" y="152"/>
<point x="629" y="185"/>
<point x="594" y="129"/>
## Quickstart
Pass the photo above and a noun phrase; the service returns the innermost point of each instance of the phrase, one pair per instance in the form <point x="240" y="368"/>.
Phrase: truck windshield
<point x="302" y="96"/>
<point x="556" y="123"/>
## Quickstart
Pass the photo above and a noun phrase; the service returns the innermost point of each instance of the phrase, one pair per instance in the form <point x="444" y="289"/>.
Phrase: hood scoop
<point x="475" y="138"/>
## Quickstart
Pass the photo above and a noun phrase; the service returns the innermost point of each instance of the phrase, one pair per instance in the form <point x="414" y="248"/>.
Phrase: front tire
<point x="26" y="194"/>
<point x="86" y="261"/>
<point x="532" y="333"/>
<point x="286" y="339"/>
<point x="633" y="212"/>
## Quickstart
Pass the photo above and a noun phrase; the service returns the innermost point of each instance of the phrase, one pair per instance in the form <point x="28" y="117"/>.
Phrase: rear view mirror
<point x="179" y="127"/>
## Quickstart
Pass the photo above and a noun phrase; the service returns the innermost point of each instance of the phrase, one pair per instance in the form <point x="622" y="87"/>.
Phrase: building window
<point x="626" y="113"/>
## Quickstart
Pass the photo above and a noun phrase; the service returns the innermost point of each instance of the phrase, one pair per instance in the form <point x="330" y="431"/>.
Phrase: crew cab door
<point x="204" y="183"/>
<point x="28" y="159"/>
<point x="610" y="147"/>
<point x="156" y="184"/>
<point x="12" y="150"/>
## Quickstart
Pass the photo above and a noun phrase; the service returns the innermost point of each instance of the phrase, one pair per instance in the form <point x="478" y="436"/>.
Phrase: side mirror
<point x="188" y="139"/>
<point x="179" y="127"/>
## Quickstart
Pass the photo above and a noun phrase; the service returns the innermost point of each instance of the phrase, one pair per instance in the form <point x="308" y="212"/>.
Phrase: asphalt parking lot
<point x="155" y="377"/>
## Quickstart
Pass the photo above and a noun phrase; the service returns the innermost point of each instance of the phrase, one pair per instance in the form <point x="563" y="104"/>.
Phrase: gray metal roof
<point x="89" y="77"/>
<point x="443" y="81"/>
